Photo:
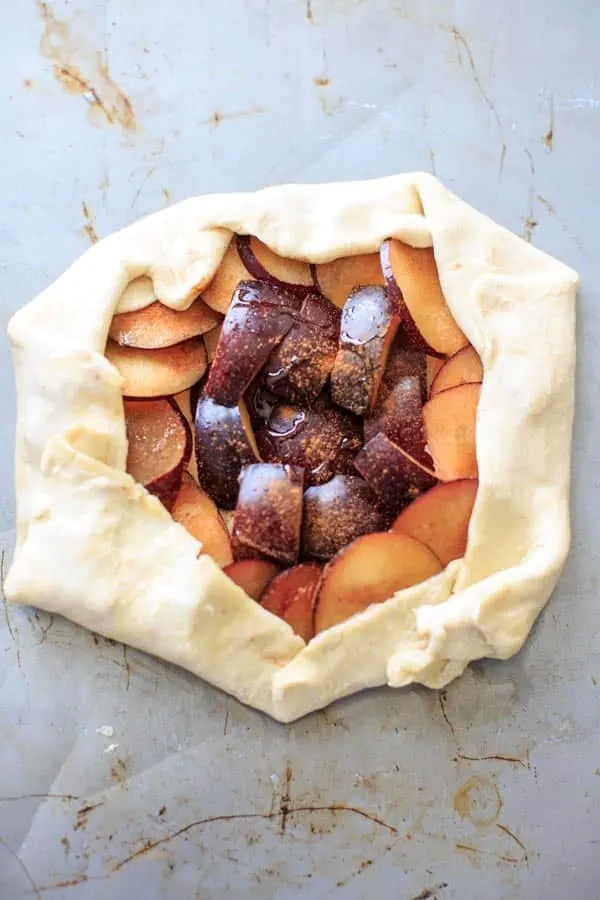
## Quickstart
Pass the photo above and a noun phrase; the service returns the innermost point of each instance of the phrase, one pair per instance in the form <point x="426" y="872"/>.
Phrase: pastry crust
<point x="93" y="545"/>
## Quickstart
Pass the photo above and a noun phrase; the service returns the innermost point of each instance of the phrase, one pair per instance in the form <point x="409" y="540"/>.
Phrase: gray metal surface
<point x="123" y="777"/>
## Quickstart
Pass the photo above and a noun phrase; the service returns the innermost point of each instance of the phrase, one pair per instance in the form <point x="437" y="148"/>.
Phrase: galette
<point x="300" y="442"/>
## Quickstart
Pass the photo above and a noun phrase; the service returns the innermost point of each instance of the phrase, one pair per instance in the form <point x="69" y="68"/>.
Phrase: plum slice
<point x="337" y="279"/>
<point x="323" y="440"/>
<point x="198" y="514"/>
<point x="159" y="446"/>
<point x="300" y="365"/>
<point x="398" y="410"/>
<point x="465" y="367"/>
<point x="266" y="265"/>
<point x="450" y="424"/>
<point x="336" y="513"/>
<point x="370" y="570"/>
<point x="224" y="444"/>
<point x="158" y="326"/>
<point x="268" y="513"/>
<point x="393" y="474"/>
<point x="412" y="279"/>
<point x="158" y="373"/>
<point x="369" y="323"/>
<point x="252" y="575"/>
<point x="220" y="290"/>
<point x="260" y="315"/>
<point x="211" y="341"/>
<point x="291" y="596"/>
<point x="440" y="518"/>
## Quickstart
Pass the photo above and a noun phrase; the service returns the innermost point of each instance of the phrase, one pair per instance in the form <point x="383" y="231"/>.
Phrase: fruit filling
<point x="312" y="426"/>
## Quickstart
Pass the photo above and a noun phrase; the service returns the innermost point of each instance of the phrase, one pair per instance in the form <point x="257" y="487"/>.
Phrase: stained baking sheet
<point x="122" y="776"/>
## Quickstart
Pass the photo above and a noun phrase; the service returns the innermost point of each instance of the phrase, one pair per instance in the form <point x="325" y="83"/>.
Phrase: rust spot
<point x="322" y="82"/>
<point x="429" y="893"/>
<point x="529" y="226"/>
<point x="89" y="229"/>
<point x="83" y="71"/>
<point x="513" y="837"/>
<point x="217" y="117"/>
<point x="81" y="816"/>
<point x="476" y="851"/>
<point x="285" y="802"/>
<point x="549" y="136"/>
<point x="119" y="771"/>
<point x="478" y="800"/>
<point x="73" y="882"/>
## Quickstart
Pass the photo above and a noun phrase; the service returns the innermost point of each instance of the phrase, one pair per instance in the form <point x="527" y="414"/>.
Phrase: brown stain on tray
<point x="89" y="230"/>
<point x="478" y="800"/>
<point x="80" y="70"/>
<point x="81" y="816"/>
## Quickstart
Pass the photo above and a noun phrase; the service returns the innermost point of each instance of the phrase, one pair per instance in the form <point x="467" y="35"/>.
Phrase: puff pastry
<point x="94" y="546"/>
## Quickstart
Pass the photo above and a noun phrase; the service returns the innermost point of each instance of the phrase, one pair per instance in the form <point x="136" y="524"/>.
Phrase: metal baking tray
<point x="121" y="776"/>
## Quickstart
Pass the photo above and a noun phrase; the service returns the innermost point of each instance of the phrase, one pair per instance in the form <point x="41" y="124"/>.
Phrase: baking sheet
<point x="123" y="776"/>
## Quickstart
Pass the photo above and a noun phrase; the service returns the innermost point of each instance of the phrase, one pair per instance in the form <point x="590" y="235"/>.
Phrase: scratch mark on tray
<point x="148" y="174"/>
<point x="432" y="160"/>
<point x="44" y="631"/>
<point x="492" y="757"/>
<point x="69" y="797"/>
<point x="149" y="845"/>
<point x="98" y="87"/>
<point x="460" y="39"/>
<point x="365" y="864"/>
<point x="563" y="225"/>
<point x="89" y="226"/>
<point x="442" y="701"/>
<point x="513" y="837"/>
<point x="309" y="12"/>
<point x="12" y="631"/>
<point x="467" y="848"/>
<point x="217" y="117"/>
<point x="225" y="723"/>
<point x="22" y="866"/>
<point x="529" y="222"/>
<point x="286" y="799"/>
<point x="127" y="665"/>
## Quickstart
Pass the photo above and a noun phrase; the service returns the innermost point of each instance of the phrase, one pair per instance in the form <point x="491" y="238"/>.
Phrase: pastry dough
<point x="95" y="547"/>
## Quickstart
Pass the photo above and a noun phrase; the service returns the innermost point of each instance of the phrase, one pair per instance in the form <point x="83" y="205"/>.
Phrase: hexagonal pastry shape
<point x="94" y="545"/>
